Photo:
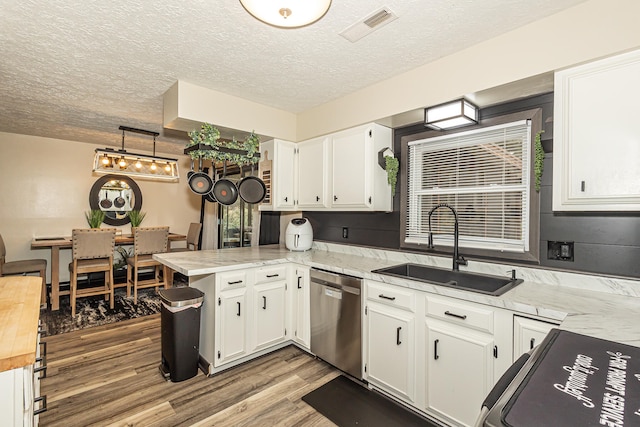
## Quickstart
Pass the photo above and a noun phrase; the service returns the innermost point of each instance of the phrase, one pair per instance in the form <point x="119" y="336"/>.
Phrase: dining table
<point x="55" y="244"/>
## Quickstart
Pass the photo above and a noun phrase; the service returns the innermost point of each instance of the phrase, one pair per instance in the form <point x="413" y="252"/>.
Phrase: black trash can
<point x="180" y="330"/>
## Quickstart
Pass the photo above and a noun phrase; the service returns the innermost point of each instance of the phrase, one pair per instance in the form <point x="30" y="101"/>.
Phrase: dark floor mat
<point x="347" y="403"/>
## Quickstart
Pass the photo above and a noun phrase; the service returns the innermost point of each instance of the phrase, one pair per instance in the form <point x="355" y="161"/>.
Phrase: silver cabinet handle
<point x="459" y="316"/>
<point x="43" y="407"/>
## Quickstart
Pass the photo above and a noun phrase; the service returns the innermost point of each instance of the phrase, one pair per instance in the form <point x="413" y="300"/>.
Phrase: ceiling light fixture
<point x="140" y="165"/>
<point x="287" y="13"/>
<point x="451" y="115"/>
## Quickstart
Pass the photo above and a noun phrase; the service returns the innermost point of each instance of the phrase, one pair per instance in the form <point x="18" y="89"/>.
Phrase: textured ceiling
<point x="78" y="69"/>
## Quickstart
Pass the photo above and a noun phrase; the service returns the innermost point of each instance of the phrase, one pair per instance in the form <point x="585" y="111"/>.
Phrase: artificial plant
<point x="95" y="217"/>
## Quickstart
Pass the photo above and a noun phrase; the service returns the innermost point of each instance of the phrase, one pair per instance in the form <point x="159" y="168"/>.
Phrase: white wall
<point x="44" y="191"/>
<point x="589" y="31"/>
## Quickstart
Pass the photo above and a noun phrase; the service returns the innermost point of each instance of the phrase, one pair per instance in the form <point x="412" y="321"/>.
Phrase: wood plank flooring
<point x="108" y="376"/>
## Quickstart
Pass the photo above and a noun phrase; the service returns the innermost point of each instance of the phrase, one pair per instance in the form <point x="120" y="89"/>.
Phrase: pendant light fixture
<point x="123" y="162"/>
<point x="287" y="13"/>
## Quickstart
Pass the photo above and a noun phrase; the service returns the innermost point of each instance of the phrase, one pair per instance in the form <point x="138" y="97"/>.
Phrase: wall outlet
<point x="561" y="251"/>
<point x="345" y="232"/>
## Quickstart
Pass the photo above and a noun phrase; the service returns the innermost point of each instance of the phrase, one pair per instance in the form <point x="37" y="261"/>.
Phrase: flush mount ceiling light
<point x="451" y="115"/>
<point x="123" y="162"/>
<point x="287" y="13"/>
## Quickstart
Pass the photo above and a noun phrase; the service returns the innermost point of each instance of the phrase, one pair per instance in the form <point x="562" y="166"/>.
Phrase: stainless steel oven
<point x="336" y="320"/>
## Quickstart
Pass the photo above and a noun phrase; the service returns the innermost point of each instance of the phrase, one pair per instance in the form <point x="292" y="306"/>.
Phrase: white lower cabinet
<point x="20" y="400"/>
<point x="269" y="314"/>
<point x="300" y="307"/>
<point x="528" y="333"/>
<point x="249" y="312"/>
<point x="437" y="354"/>
<point x="231" y="322"/>
<point x="459" y="366"/>
<point x="391" y="350"/>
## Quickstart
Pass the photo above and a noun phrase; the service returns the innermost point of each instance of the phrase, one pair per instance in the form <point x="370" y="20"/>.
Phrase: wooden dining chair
<point x="146" y="242"/>
<point x="24" y="267"/>
<point x="193" y="238"/>
<point x="92" y="252"/>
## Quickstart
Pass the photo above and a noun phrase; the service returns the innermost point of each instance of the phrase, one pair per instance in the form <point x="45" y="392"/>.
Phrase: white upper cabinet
<point x="339" y="171"/>
<point x="597" y="137"/>
<point x="313" y="180"/>
<point x="358" y="182"/>
<point x="278" y="171"/>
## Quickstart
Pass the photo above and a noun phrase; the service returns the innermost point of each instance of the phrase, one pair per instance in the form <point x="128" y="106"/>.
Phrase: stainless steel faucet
<point x="458" y="259"/>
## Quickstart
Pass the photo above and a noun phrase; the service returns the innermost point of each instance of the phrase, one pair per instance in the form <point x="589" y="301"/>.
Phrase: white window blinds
<point x="484" y="175"/>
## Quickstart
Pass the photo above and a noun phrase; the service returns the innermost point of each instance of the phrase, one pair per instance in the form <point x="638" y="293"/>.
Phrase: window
<point x="485" y="175"/>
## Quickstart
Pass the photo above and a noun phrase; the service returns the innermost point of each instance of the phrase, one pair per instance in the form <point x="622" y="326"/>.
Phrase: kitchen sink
<point x="475" y="282"/>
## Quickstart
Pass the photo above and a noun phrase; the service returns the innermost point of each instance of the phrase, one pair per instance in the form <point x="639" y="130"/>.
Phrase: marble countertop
<point x="608" y="314"/>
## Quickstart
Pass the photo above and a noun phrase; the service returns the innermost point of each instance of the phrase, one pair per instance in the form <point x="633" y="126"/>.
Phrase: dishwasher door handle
<point x="341" y="288"/>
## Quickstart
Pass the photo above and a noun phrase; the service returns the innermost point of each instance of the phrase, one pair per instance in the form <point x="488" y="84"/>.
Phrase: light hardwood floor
<point x="108" y="376"/>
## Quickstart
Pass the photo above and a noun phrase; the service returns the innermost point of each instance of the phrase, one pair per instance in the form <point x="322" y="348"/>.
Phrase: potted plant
<point x="391" y="166"/>
<point x="95" y="217"/>
<point x="136" y="218"/>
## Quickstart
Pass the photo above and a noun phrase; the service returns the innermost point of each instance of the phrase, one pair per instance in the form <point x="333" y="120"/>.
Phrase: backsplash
<point x="604" y="242"/>
<point x="595" y="283"/>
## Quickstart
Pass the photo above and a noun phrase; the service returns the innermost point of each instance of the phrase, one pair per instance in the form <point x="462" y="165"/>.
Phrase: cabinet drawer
<point x="462" y="313"/>
<point x="391" y="295"/>
<point x="271" y="274"/>
<point x="231" y="279"/>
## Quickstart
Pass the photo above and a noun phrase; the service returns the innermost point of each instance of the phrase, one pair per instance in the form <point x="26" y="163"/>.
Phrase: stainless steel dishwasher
<point x="336" y="320"/>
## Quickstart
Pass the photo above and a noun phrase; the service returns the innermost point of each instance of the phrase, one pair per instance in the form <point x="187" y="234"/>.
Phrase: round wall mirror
<point x="115" y="195"/>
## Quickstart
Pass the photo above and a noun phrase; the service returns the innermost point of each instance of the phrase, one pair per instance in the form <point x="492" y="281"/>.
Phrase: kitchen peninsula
<point x="591" y="305"/>
<point x="406" y="323"/>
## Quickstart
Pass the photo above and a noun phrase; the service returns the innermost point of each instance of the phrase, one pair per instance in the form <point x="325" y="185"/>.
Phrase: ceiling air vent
<point x="369" y="24"/>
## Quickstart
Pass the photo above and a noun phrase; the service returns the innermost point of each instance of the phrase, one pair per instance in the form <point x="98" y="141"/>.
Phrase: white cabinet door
<point x="301" y="309"/>
<point x="391" y="350"/>
<point x="528" y="333"/>
<point x="350" y="152"/>
<point x="596" y="136"/>
<point x="231" y="325"/>
<point x="312" y="173"/>
<point x="284" y="175"/>
<point x="269" y="314"/>
<point x="459" y="371"/>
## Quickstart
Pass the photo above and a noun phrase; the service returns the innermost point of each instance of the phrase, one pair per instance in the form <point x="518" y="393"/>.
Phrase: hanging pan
<point x="209" y="197"/>
<point x="224" y="190"/>
<point x="105" y="203"/>
<point x="119" y="201"/>
<point x="252" y="188"/>
<point x="191" y="172"/>
<point x="200" y="182"/>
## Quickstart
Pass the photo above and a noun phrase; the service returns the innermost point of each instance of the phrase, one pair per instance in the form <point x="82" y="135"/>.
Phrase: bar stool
<point x="92" y="252"/>
<point x="146" y="242"/>
<point x="24" y="267"/>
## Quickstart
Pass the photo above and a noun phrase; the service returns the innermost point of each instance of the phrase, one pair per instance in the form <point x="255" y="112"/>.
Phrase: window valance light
<point x="287" y="13"/>
<point x="122" y="162"/>
<point x="451" y="115"/>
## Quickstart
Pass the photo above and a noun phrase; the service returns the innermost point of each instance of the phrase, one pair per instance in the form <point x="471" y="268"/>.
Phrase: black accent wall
<point x="604" y="242"/>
